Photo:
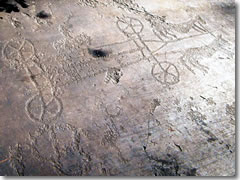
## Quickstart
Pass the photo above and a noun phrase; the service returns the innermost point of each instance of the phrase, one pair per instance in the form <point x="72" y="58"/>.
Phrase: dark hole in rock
<point x="228" y="8"/>
<point x="192" y="172"/>
<point x="211" y="139"/>
<point x="22" y="3"/>
<point x="8" y="8"/>
<point x="11" y="6"/>
<point x="43" y="15"/>
<point x="97" y="53"/>
<point x="33" y="76"/>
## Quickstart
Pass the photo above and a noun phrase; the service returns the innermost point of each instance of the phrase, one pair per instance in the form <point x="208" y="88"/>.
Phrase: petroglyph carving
<point x="50" y="104"/>
<point x="64" y="71"/>
<point x="192" y="56"/>
<point x="197" y="23"/>
<point x="16" y="23"/>
<point x="129" y="5"/>
<point x="154" y="104"/>
<point x="63" y="140"/>
<point x="74" y="50"/>
<point x="166" y="73"/>
<point x="132" y="28"/>
<point x="112" y="111"/>
<point x="17" y="161"/>
<point x="171" y="167"/>
<point x="169" y="164"/>
<point x="74" y="62"/>
<point x="73" y="163"/>
<point x="17" y="52"/>
<point x="59" y="138"/>
<point x="111" y="133"/>
<point x="20" y="55"/>
<point x="34" y="108"/>
<point x="40" y="111"/>
<point x="166" y="31"/>
<point x="230" y="109"/>
<point x="113" y="75"/>
<point x="72" y="47"/>
<point x="200" y="119"/>
<point x="110" y="137"/>
<point x="90" y="3"/>
<point x="134" y="127"/>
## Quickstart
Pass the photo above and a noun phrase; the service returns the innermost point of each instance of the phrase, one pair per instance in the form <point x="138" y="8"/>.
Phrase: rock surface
<point x="117" y="87"/>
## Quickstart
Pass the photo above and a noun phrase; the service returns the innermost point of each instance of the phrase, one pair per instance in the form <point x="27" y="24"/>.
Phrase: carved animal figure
<point x="192" y="56"/>
<point x="166" y="31"/>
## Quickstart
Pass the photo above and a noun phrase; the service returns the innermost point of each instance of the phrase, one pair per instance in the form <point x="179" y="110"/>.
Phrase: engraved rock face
<point x="117" y="88"/>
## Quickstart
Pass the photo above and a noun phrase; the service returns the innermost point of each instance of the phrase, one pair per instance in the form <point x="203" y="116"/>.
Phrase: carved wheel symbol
<point x="166" y="73"/>
<point x="18" y="49"/>
<point x="43" y="112"/>
<point x="130" y="26"/>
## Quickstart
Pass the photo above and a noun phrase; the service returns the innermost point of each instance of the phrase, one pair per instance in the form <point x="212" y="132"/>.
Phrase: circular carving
<point x="18" y="52"/>
<point x="130" y="26"/>
<point x="166" y="73"/>
<point x="43" y="112"/>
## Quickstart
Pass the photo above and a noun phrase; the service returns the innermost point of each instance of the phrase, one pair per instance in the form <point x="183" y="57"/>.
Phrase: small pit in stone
<point x="43" y="15"/>
<point x="97" y="53"/>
